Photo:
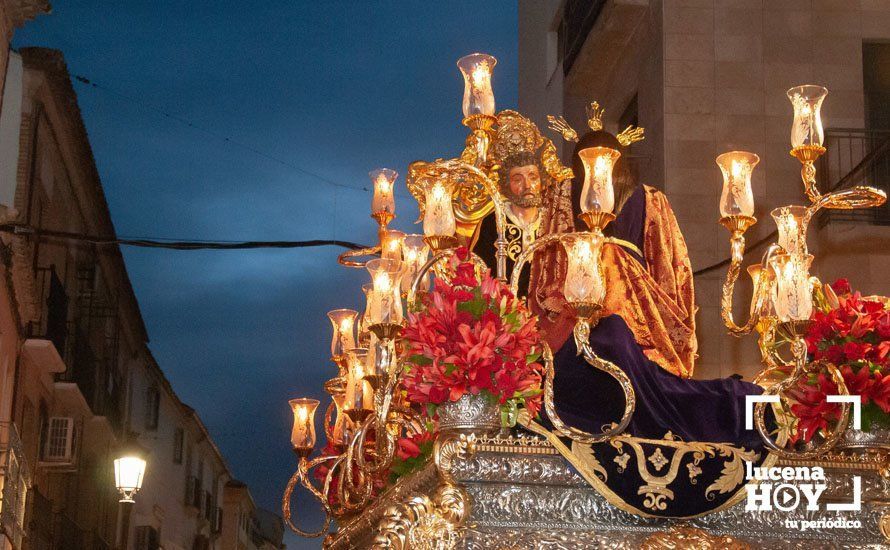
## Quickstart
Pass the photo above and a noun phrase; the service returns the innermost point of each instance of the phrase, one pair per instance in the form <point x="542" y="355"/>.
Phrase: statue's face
<point x="525" y="185"/>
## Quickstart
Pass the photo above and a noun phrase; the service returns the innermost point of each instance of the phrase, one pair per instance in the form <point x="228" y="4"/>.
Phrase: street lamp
<point x="129" y="472"/>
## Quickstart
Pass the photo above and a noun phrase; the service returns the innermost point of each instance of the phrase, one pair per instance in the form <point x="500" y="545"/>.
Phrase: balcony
<point x="76" y="337"/>
<point x="855" y="157"/>
<point x="16" y="481"/>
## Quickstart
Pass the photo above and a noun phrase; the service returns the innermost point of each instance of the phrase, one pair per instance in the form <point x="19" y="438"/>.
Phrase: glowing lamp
<point x="737" y="197"/>
<point x="478" y="96"/>
<point x="438" y="214"/>
<point x="391" y="244"/>
<point x="384" y="301"/>
<point x="598" y="194"/>
<point x="806" y="130"/>
<point x="415" y="254"/>
<point x="384" y="181"/>
<point x="359" y="398"/>
<point x="792" y="295"/>
<point x="791" y="222"/>
<point x="343" y="321"/>
<point x="584" y="283"/>
<point x="129" y="471"/>
<point x="302" y="436"/>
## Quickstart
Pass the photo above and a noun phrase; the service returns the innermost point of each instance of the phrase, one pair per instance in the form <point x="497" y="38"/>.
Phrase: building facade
<point x="709" y="76"/>
<point x="77" y="379"/>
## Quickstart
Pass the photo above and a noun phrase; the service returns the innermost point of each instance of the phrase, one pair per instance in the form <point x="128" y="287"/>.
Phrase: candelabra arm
<point x="347" y="258"/>
<point x="301" y="476"/>
<point x="526" y="256"/>
<point x="801" y="367"/>
<point x="737" y="226"/>
<point x="581" y="333"/>
<point x="807" y="155"/>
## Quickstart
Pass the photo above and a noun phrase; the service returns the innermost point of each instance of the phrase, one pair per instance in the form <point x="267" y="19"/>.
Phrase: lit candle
<point x="391" y="245"/>
<point x="302" y="436"/>
<point x="415" y="254"/>
<point x="359" y="395"/>
<point x="384" y="199"/>
<point x="791" y="222"/>
<point x="343" y="321"/>
<point x="384" y="301"/>
<point x="806" y="130"/>
<point x="792" y="296"/>
<point x="598" y="193"/>
<point x="438" y="216"/>
<point x="737" y="197"/>
<point x="584" y="281"/>
<point x="478" y="96"/>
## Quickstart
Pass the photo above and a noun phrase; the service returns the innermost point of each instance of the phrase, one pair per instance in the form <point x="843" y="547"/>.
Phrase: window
<point x="178" y="437"/>
<point x="147" y="538"/>
<point x="152" y="405"/>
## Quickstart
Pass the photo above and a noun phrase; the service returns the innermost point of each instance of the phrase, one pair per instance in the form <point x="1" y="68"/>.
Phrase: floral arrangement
<point x="412" y="453"/>
<point x="852" y="333"/>
<point x="472" y="335"/>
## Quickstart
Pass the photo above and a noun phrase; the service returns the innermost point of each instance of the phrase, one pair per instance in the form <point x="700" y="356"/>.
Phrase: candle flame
<point x="738" y="168"/>
<point x="382" y="282"/>
<point x="601" y="167"/>
<point x="346" y="325"/>
<point x="382" y="184"/>
<point x="481" y="73"/>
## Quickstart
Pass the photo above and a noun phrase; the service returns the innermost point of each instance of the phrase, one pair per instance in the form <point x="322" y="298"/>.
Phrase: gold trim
<point x="612" y="498"/>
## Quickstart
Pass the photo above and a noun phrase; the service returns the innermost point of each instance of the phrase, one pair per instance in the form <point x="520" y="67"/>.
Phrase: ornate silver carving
<point x="472" y="413"/>
<point x="522" y="497"/>
<point x="876" y="438"/>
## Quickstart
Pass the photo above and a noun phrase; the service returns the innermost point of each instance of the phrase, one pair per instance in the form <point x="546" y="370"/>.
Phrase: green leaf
<point x="532" y="357"/>
<point x="420" y="360"/>
<point x="449" y="368"/>
<point x="474" y="307"/>
<point x="430" y="410"/>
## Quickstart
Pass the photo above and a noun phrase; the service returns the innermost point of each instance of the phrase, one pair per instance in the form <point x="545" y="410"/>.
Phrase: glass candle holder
<point x="791" y="222"/>
<point x="584" y="281"/>
<point x="384" y="300"/>
<point x="737" y="197"/>
<point x="391" y="244"/>
<point x="384" y="181"/>
<point x="359" y="395"/>
<point x="438" y="213"/>
<point x="343" y="321"/>
<point x="415" y="253"/>
<point x="598" y="194"/>
<point x="302" y="436"/>
<point x="806" y="130"/>
<point x="365" y="319"/>
<point x="476" y="69"/>
<point x="792" y="295"/>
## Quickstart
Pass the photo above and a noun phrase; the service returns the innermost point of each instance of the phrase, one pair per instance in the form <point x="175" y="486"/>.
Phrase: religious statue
<point x="524" y="164"/>
<point x="648" y="323"/>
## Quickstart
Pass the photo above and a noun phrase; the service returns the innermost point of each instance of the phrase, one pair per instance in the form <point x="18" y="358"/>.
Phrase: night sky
<point x="301" y="90"/>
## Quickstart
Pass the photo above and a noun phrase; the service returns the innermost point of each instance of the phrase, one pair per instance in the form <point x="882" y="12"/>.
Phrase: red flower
<point x="859" y="383"/>
<point x="812" y="409"/>
<point x="472" y="336"/>
<point x="841" y="286"/>
<point x="880" y="392"/>
<point x="409" y="447"/>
